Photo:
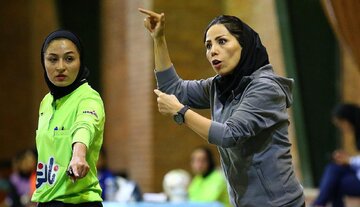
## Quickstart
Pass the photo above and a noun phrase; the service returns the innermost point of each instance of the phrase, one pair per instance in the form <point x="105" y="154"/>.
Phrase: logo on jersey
<point x="46" y="172"/>
<point x="91" y="112"/>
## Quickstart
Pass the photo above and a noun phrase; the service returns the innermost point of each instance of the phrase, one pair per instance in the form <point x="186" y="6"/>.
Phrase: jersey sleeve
<point x="89" y="120"/>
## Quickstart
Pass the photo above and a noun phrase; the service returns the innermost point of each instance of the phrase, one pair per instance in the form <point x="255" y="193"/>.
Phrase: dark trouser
<point x="337" y="181"/>
<point x="61" y="204"/>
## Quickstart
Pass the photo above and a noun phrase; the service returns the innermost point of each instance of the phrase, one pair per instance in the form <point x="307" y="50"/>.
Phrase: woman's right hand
<point x="154" y="22"/>
<point x="78" y="167"/>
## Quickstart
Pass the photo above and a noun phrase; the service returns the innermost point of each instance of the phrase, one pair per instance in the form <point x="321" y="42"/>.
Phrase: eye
<point x="69" y="59"/>
<point x="208" y="45"/>
<point x="51" y="59"/>
<point x="222" y="41"/>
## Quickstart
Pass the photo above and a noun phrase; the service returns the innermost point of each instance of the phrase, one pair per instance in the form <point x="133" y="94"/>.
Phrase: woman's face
<point x="223" y="51"/>
<point x="199" y="162"/>
<point x="62" y="62"/>
<point x="28" y="163"/>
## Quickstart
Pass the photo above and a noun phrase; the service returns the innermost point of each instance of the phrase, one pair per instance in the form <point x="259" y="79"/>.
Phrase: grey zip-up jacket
<point x="251" y="133"/>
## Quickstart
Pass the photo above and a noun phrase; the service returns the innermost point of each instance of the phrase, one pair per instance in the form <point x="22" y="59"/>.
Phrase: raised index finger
<point x="148" y="12"/>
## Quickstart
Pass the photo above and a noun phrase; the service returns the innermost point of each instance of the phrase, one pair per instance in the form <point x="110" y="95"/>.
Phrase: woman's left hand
<point x="154" y="22"/>
<point x="78" y="164"/>
<point x="167" y="104"/>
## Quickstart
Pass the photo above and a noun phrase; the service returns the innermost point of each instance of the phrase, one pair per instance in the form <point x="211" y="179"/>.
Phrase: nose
<point x="214" y="51"/>
<point x="60" y="65"/>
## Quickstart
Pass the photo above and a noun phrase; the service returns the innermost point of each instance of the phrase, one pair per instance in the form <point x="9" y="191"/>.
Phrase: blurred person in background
<point x="24" y="165"/>
<point x="342" y="177"/>
<point x="5" y="172"/>
<point x="208" y="184"/>
<point x="106" y="177"/>
<point x="175" y="184"/>
<point x="116" y="187"/>
<point x="127" y="190"/>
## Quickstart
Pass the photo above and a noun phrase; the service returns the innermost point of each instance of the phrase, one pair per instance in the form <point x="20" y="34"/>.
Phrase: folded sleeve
<point x="82" y="135"/>
<point x="195" y="93"/>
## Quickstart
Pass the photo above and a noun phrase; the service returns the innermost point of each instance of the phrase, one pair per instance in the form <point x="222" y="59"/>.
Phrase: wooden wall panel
<point x="24" y="25"/>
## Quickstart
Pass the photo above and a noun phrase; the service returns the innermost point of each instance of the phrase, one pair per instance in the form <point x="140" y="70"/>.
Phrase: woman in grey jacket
<point x="248" y="102"/>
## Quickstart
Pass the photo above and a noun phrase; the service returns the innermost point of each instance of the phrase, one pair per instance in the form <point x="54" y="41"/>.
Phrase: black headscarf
<point x="210" y="160"/>
<point x="56" y="91"/>
<point x="350" y="113"/>
<point x="253" y="55"/>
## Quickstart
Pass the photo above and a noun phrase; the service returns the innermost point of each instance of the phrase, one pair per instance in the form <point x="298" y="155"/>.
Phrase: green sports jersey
<point x="58" y="122"/>
<point x="209" y="189"/>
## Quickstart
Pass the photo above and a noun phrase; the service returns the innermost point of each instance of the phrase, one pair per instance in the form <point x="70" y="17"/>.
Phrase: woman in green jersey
<point x="70" y="127"/>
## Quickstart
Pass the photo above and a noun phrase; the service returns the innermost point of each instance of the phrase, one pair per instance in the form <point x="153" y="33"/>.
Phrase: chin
<point x="223" y="72"/>
<point x="61" y="84"/>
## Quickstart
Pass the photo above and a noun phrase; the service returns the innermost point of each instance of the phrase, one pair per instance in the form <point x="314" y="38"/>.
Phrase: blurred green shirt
<point x="76" y="117"/>
<point x="209" y="189"/>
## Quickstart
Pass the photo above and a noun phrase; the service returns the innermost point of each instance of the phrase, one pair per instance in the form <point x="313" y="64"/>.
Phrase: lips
<point x="216" y="64"/>
<point x="60" y="77"/>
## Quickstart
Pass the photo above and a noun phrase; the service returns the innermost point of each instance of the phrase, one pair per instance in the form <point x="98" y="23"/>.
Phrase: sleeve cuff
<point x="164" y="76"/>
<point x="82" y="135"/>
<point x="216" y="132"/>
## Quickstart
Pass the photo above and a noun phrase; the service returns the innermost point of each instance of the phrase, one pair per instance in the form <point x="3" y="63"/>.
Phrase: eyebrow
<point x="216" y="38"/>
<point x="66" y="53"/>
